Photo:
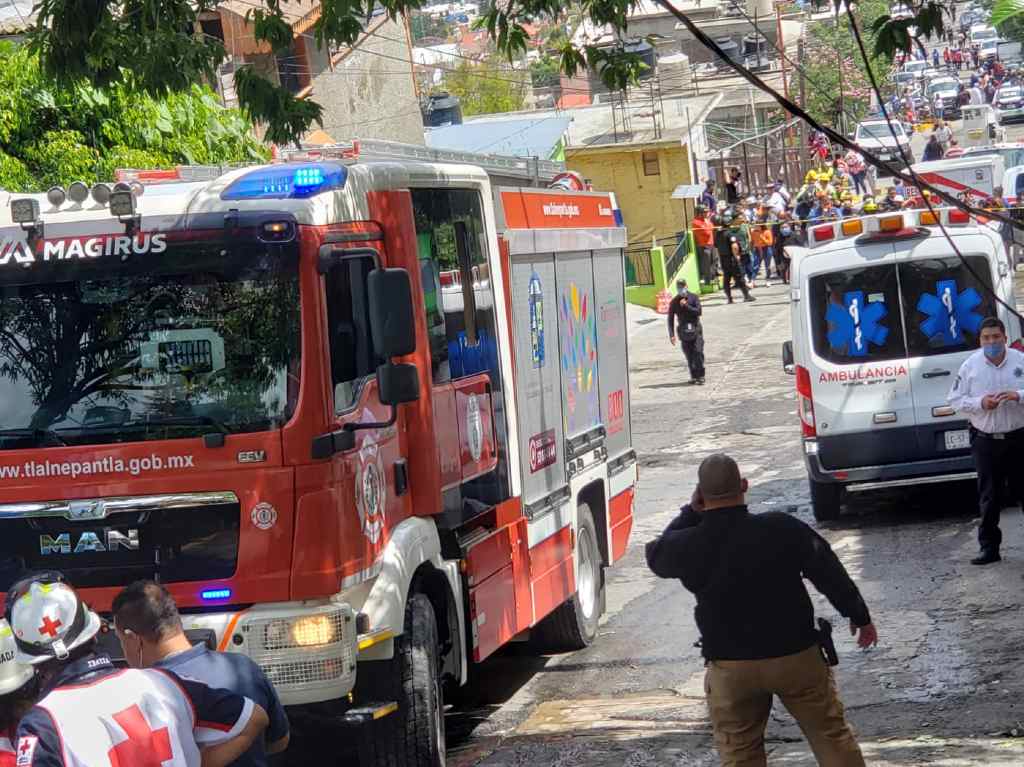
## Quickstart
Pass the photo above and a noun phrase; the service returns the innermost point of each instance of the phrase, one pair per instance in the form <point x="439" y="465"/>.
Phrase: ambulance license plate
<point x="958" y="440"/>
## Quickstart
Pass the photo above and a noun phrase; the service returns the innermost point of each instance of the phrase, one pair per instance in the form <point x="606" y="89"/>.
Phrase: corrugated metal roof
<point x="15" y="16"/>
<point x="519" y="137"/>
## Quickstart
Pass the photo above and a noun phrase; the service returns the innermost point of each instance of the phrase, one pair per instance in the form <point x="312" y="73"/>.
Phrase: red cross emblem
<point x="50" y="627"/>
<point x="144" y="747"/>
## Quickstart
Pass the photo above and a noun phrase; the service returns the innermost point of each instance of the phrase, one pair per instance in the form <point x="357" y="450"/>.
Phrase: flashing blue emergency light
<point x="287" y="182"/>
<point x="212" y="594"/>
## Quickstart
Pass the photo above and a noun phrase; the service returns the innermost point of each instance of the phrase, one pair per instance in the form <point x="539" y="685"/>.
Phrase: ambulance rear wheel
<point x="826" y="498"/>
<point x="413" y="736"/>
<point x="573" y="624"/>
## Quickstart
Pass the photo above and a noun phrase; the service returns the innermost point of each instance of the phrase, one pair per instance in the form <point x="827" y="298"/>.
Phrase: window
<point x="651" y="166"/>
<point x="353" y="359"/>
<point x="855" y="315"/>
<point x="944" y="303"/>
<point x="452" y="244"/>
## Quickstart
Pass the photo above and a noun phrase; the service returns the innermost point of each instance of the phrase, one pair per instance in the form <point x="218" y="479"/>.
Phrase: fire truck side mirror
<point x="398" y="383"/>
<point x="392" y="321"/>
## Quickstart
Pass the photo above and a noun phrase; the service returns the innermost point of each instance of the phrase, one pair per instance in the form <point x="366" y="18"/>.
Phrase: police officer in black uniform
<point x="730" y="258"/>
<point x="684" y="322"/>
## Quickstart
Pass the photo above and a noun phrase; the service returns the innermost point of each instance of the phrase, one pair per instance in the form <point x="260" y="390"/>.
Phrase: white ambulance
<point x="883" y="314"/>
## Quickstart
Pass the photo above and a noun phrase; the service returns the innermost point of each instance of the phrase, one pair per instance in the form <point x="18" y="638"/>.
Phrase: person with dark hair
<point x="989" y="390"/>
<point x="756" y="619"/>
<point x="730" y="257"/>
<point x="92" y="713"/>
<point x="149" y="626"/>
<point x="684" y="322"/>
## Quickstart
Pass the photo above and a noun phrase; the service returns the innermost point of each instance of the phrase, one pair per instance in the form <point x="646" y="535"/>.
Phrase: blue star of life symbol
<point x="950" y="312"/>
<point x="852" y="325"/>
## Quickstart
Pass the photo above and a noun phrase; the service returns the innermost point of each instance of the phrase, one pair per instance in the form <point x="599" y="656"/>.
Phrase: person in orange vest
<point x="704" y="241"/>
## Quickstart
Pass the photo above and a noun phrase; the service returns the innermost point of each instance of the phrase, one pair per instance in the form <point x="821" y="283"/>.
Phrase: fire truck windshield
<point x="199" y="339"/>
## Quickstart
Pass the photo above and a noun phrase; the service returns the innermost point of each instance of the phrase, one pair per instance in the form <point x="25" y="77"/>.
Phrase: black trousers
<point x="729" y="276"/>
<point x="998" y="465"/>
<point x="693" y="350"/>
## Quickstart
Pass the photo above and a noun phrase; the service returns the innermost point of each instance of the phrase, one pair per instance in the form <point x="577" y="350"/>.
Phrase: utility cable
<point x="828" y="132"/>
<point x="931" y="209"/>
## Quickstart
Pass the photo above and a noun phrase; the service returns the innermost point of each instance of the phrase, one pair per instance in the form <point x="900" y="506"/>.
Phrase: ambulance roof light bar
<point x="882" y="225"/>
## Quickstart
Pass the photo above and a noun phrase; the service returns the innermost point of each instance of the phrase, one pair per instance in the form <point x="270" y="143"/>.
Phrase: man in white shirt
<point x="778" y="201"/>
<point x="989" y="390"/>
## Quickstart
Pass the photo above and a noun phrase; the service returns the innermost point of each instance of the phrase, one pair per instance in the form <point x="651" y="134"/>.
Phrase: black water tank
<point x="443" y="109"/>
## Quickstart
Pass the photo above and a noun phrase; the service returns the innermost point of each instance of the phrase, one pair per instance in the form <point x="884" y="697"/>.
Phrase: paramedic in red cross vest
<point x="149" y="627"/>
<point x="92" y="714"/>
<point x="989" y="390"/>
<point x="18" y="690"/>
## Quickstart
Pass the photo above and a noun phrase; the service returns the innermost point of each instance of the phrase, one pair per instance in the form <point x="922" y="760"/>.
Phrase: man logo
<point x="90" y="542"/>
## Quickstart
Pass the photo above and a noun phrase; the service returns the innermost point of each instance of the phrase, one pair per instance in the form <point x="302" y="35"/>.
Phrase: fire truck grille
<point x="313" y="649"/>
<point x="113" y="541"/>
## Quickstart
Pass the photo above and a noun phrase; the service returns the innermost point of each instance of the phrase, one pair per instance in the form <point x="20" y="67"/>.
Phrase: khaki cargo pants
<point x="740" y="694"/>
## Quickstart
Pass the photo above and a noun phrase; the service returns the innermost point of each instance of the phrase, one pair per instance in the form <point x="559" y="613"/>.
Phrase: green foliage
<point x="61" y="156"/>
<point x="1003" y="10"/>
<point x="141" y="44"/>
<point x="832" y="65"/>
<point x="423" y="25"/>
<point x="59" y="132"/>
<point x="544" y="72"/>
<point x="14" y="174"/>
<point x="486" y="88"/>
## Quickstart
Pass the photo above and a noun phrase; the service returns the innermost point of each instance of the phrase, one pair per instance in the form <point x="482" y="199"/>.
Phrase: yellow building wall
<point x="647" y="207"/>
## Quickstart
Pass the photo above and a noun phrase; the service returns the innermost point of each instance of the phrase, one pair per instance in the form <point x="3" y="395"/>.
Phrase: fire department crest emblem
<point x="371" y="491"/>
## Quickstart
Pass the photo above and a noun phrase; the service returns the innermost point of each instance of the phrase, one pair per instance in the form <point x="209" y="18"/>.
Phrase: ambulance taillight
<point x="805" y="405"/>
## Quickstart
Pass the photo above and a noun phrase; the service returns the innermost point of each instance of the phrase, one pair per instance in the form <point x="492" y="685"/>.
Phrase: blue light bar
<point x="287" y="182"/>
<point x="211" y="594"/>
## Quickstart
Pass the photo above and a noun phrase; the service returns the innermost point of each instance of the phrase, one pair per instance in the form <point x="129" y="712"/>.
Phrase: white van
<point x="982" y="32"/>
<point x="883" y="315"/>
<point x="973" y="174"/>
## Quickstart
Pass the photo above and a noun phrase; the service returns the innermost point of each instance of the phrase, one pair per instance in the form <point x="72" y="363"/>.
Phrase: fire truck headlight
<point x="122" y="203"/>
<point x="24" y="211"/>
<point x="78" y="192"/>
<point x="101" y="193"/>
<point x="55" y="196"/>
<point x="312" y="631"/>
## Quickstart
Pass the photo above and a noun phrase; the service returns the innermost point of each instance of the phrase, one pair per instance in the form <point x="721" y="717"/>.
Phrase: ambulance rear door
<point x="857" y="366"/>
<point x="944" y="301"/>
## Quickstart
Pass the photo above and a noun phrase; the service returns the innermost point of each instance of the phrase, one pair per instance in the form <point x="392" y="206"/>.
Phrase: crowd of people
<point x="987" y="76"/>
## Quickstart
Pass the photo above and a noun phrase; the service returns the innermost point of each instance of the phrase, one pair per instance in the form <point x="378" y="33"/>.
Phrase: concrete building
<point x="16" y="16"/>
<point x="639" y="148"/>
<point x="366" y="90"/>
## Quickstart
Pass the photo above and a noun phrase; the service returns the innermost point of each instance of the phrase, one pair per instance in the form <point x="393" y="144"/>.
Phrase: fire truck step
<point x="371" y="638"/>
<point x="370" y="713"/>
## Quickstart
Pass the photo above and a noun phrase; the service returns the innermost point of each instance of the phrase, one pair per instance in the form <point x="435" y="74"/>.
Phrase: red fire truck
<point x="367" y="420"/>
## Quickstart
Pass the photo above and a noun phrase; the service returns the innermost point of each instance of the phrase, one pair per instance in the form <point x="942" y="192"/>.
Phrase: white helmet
<point x="13" y="674"/>
<point x="48" y="618"/>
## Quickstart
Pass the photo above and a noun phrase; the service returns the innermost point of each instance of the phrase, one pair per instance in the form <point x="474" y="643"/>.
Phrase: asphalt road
<point x="944" y="685"/>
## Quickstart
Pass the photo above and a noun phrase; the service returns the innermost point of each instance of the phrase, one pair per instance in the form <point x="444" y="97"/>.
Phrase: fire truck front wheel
<point x="413" y="736"/>
<point x="573" y="625"/>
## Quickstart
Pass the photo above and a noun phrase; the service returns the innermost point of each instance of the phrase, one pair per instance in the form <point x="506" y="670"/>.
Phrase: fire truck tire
<point x="413" y="736"/>
<point x="826" y="498"/>
<point x="573" y="625"/>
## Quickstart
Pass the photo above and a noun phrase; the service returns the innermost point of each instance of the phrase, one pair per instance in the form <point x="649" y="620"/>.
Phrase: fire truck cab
<point x="368" y="421"/>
